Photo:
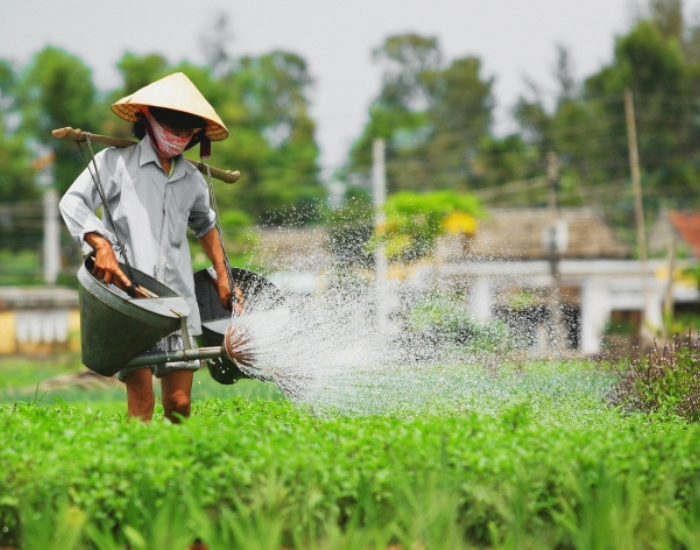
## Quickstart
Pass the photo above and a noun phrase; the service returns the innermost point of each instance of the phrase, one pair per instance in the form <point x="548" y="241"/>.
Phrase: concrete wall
<point x="38" y="320"/>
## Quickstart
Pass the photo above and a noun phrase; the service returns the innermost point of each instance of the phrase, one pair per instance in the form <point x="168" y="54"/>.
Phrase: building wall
<point x="8" y="336"/>
<point x="33" y="332"/>
<point x="38" y="320"/>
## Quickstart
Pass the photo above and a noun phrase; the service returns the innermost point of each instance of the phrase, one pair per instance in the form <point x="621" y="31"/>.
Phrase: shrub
<point x="666" y="382"/>
<point x="414" y="221"/>
<point x="446" y="320"/>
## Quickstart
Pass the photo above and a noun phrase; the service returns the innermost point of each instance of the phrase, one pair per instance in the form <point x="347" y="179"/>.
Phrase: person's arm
<point x="79" y="203"/>
<point x="212" y="247"/>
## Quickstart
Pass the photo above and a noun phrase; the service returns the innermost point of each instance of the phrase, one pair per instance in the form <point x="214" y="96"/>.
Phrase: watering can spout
<point x="256" y="294"/>
<point x="236" y="346"/>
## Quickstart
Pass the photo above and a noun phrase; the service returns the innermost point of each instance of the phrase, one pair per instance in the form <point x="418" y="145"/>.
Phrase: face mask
<point x="168" y="144"/>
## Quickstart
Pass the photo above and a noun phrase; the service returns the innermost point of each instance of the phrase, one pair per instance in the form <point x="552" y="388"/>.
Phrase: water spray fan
<point x="256" y="296"/>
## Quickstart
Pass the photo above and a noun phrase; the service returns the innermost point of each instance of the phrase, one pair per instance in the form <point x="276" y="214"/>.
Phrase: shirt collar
<point x="147" y="153"/>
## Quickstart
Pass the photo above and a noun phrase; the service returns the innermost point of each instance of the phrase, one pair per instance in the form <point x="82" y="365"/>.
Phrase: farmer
<point x="154" y="194"/>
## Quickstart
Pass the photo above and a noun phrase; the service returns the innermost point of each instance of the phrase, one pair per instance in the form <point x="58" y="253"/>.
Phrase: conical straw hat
<point x="175" y="92"/>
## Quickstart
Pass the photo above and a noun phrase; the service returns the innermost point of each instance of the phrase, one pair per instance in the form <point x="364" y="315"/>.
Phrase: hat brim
<point x="174" y="92"/>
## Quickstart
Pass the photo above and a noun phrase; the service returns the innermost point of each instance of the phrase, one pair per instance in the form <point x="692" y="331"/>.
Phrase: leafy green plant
<point x="524" y="456"/>
<point x="666" y="382"/>
<point x="52" y="526"/>
<point x="414" y="221"/>
<point x="682" y="322"/>
<point x="444" y="319"/>
<point x="349" y="227"/>
<point x="20" y="268"/>
<point x="523" y="300"/>
<point x="693" y="271"/>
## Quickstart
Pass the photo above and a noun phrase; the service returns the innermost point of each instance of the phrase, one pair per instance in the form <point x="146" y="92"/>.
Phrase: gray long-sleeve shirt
<point x="151" y="211"/>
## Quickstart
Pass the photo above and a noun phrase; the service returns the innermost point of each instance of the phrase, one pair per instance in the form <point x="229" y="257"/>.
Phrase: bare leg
<point x="177" y="394"/>
<point x="139" y="394"/>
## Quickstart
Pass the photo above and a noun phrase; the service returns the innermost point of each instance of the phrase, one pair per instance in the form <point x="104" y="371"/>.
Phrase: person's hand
<point x="236" y="300"/>
<point x="224" y="291"/>
<point x="106" y="265"/>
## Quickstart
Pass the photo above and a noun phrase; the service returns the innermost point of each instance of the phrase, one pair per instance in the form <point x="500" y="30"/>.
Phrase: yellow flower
<point x="460" y="222"/>
<point x="397" y="245"/>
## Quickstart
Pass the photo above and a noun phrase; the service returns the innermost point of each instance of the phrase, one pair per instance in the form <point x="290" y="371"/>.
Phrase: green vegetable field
<point x="529" y="455"/>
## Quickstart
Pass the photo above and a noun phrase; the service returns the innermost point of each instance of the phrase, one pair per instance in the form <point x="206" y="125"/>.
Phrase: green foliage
<point x="657" y="60"/>
<point x="56" y="90"/>
<point x="666" y="382"/>
<point x="505" y="159"/>
<point x="447" y="319"/>
<point x="236" y="229"/>
<point x="20" y="267"/>
<point x="415" y="220"/>
<point x="263" y="100"/>
<point x="16" y="174"/>
<point x="350" y="226"/>
<point x="272" y="137"/>
<point x="549" y="467"/>
<point x="694" y="271"/>
<point x="431" y="116"/>
<point x="139" y="71"/>
<point x="681" y="322"/>
<point x="523" y="300"/>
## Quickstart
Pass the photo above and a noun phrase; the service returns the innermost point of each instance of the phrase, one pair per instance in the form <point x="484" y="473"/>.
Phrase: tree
<point x="653" y="67"/>
<point x="431" y="116"/>
<point x="56" y="90"/>
<point x="139" y="71"/>
<point x="409" y="64"/>
<point x="414" y="221"/>
<point x="272" y="139"/>
<point x="17" y="180"/>
<point x="667" y="16"/>
<point x="215" y="41"/>
<point x="461" y="117"/>
<point x="657" y="59"/>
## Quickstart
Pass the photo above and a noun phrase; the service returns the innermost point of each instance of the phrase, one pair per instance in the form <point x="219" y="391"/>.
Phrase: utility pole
<point x="554" y="244"/>
<point x="51" y="237"/>
<point x="380" y="261"/>
<point x="638" y="206"/>
<point x="668" y="294"/>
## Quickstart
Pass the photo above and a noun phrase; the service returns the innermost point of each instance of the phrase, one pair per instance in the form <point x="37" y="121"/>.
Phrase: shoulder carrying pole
<point x="79" y="136"/>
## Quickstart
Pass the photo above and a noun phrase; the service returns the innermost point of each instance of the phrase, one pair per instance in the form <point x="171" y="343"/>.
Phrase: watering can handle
<point x="136" y="291"/>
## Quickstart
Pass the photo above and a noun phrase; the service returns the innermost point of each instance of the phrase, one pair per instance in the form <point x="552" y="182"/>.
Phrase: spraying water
<point x="331" y="350"/>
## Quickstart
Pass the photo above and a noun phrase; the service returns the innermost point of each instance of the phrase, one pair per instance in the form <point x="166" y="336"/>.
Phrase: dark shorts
<point x="173" y="342"/>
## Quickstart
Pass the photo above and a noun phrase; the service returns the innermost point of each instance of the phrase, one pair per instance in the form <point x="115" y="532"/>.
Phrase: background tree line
<point x="262" y="99"/>
<point x="436" y="118"/>
<point x="435" y="115"/>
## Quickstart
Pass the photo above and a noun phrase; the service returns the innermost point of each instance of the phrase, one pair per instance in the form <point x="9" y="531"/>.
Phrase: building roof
<point x="688" y="226"/>
<point x="508" y="233"/>
<point x="519" y="234"/>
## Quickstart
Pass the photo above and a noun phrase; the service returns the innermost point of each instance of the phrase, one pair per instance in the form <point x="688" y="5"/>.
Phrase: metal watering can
<point x="117" y="329"/>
